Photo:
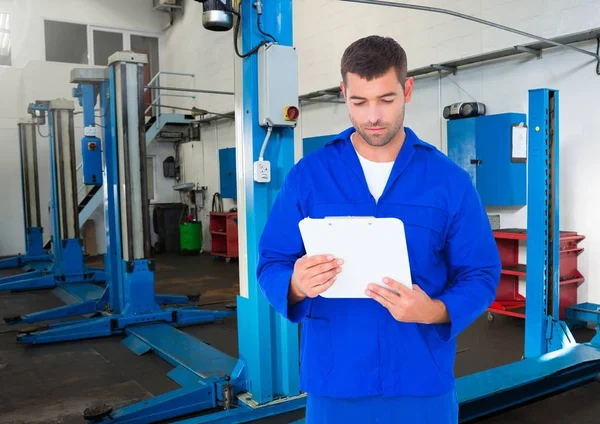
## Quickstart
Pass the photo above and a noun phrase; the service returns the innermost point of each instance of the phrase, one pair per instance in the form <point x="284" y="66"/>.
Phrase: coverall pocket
<point x="442" y="353"/>
<point x="422" y="224"/>
<point x="316" y="359"/>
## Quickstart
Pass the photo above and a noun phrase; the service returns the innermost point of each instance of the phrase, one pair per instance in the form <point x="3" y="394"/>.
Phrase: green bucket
<point x="190" y="238"/>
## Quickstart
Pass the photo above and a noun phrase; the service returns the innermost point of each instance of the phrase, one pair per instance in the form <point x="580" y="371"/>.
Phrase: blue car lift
<point x="264" y="380"/>
<point x="68" y="267"/>
<point x="84" y="297"/>
<point x="35" y="257"/>
<point x="553" y="361"/>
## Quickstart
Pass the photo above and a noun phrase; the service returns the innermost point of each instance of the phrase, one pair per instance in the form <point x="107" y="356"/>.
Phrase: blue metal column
<point x="267" y="343"/>
<point x="542" y="223"/>
<point x="91" y="147"/>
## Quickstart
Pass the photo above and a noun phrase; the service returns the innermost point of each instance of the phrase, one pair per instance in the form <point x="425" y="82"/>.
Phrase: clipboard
<point x="372" y="248"/>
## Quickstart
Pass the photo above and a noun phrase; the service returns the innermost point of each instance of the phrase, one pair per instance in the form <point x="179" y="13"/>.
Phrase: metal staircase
<point x="166" y="126"/>
<point x="89" y="204"/>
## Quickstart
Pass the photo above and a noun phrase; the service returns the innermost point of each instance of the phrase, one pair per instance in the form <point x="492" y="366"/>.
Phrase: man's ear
<point x="343" y="88"/>
<point x="408" y="89"/>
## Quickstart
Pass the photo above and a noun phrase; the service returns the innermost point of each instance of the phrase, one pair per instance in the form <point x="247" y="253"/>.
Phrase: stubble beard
<point x="385" y="138"/>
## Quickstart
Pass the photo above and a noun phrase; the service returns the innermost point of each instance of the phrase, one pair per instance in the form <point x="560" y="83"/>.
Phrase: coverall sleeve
<point x="279" y="248"/>
<point x="473" y="265"/>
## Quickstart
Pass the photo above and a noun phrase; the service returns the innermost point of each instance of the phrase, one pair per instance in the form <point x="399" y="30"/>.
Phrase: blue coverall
<point x="355" y="357"/>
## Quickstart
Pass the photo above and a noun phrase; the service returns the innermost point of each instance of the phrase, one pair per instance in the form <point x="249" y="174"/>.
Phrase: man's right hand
<point x="312" y="276"/>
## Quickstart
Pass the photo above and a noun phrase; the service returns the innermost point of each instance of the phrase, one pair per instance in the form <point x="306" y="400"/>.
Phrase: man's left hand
<point x="407" y="305"/>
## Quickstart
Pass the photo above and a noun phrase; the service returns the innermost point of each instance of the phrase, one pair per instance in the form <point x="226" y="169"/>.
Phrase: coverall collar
<point x="344" y="145"/>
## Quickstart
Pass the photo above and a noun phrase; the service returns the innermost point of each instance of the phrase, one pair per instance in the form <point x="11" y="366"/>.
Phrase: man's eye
<point x="358" y="103"/>
<point x="387" y="101"/>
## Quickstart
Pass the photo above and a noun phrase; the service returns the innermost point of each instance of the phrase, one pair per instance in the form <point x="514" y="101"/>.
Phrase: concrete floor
<point x="55" y="383"/>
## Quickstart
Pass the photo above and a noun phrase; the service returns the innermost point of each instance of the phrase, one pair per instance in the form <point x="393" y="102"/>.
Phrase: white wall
<point x="27" y="20"/>
<point x="10" y="189"/>
<point x="323" y="29"/>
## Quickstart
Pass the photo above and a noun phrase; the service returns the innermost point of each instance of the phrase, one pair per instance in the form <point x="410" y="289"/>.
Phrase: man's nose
<point x="374" y="115"/>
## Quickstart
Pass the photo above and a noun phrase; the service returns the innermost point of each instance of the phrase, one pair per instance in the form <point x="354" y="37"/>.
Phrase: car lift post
<point x="85" y="298"/>
<point x="92" y="88"/>
<point x="553" y="361"/>
<point x="68" y="267"/>
<point x="36" y="258"/>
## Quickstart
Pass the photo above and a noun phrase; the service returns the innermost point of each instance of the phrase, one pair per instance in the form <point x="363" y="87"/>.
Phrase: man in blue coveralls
<point x="388" y="358"/>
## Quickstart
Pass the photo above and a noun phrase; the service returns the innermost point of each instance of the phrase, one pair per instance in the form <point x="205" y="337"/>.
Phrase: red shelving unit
<point x="508" y="299"/>
<point x="224" y="234"/>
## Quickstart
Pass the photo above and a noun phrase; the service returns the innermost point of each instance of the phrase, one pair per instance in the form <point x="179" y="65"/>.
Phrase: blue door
<point x="483" y="146"/>
<point x="501" y="181"/>
<point x="227" y="173"/>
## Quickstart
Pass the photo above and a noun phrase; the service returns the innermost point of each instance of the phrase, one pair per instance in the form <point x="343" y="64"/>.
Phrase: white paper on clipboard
<point x="372" y="248"/>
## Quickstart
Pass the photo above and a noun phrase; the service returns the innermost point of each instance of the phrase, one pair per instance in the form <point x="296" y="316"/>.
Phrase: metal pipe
<point x="72" y="175"/>
<point x="131" y="157"/>
<point x="36" y="177"/>
<point x="155" y="104"/>
<point x="60" y="165"/>
<point x="26" y="172"/>
<point x="167" y="107"/>
<point x="177" y="95"/>
<point x="197" y="112"/>
<point x="190" y="90"/>
<point x="474" y="19"/>
<point x="187" y="109"/>
<point x="126" y="190"/>
<point x="170" y="73"/>
<point x="142" y="165"/>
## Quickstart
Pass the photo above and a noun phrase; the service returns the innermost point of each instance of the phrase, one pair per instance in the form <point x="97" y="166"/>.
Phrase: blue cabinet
<point x="227" y="169"/>
<point x="484" y="147"/>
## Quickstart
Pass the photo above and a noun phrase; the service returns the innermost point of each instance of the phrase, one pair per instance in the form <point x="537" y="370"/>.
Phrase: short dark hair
<point x="371" y="57"/>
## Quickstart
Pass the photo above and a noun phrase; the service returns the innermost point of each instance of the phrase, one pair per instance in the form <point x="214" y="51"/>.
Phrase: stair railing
<point x="158" y="95"/>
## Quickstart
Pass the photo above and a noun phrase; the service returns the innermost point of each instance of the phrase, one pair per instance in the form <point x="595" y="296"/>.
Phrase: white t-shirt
<point x="377" y="175"/>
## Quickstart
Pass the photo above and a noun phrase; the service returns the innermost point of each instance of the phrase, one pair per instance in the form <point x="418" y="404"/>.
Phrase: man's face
<point x="377" y="107"/>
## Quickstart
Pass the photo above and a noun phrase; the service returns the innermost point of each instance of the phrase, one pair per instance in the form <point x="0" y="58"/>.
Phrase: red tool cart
<point x="224" y="234"/>
<point x="508" y="299"/>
